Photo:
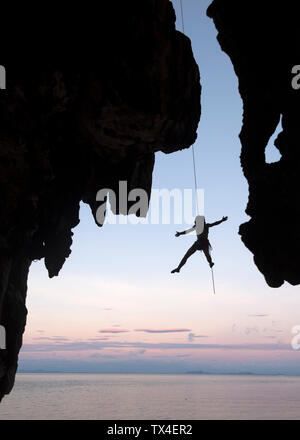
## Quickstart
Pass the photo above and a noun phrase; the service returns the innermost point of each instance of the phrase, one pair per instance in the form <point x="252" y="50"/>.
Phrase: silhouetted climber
<point x="202" y="243"/>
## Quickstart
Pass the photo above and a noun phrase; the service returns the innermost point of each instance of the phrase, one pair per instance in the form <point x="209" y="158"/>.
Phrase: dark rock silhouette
<point x="262" y="41"/>
<point x="90" y="97"/>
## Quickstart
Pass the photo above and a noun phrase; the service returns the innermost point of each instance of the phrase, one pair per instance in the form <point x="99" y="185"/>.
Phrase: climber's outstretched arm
<point x="185" y="232"/>
<point x="218" y="222"/>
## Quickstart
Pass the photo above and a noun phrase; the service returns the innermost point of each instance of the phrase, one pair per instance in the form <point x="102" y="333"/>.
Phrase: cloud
<point x="192" y="336"/>
<point x="170" y="330"/>
<point x="137" y="352"/>
<point x="99" y="345"/>
<point x="249" y="330"/>
<point x="141" y="351"/>
<point x="60" y="338"/>
<point x="101" y="356"/>
<point x="99" y="339"/>
<point x="258" y="315"/>
<point x="52" y="338"/>
<point x="113" y="330"/>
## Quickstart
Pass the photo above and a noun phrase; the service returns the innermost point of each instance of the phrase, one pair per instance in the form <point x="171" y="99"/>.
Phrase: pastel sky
<point x="115" y="306"/>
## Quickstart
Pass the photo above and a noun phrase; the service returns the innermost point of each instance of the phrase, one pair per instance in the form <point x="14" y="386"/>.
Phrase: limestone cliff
<point x="262" y="41"/>
<point x="91" y="95"/>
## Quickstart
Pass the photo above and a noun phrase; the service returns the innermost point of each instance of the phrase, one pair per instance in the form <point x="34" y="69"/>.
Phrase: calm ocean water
<point x="139" y="396"/>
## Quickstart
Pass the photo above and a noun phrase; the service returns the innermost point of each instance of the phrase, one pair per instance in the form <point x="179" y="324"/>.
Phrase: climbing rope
<point x="193" y="153"/>
<point x="213" y="279"/>
<point x="193" y="150"/>
<point x="182" y="20"/>
<point x="195" y="179"/>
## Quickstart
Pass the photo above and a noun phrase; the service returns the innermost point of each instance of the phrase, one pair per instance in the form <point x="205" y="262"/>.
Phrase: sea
<point x="151" y="397"/>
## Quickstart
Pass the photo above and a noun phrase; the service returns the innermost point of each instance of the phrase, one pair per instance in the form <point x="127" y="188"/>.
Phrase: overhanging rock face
<point x="262" y="40"/>
<point x="85" y="108"/>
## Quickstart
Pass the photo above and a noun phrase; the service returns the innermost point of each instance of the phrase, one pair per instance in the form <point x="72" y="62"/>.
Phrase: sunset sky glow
<point x="115" y="307"/>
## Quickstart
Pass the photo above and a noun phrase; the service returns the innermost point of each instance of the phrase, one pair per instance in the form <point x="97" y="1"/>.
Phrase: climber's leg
<point x="208" y="257"/>
<point x="190" y="252"/>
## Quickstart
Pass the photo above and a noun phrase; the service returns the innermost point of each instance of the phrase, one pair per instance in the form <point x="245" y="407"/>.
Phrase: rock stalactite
<point x="261" y="39"/>
<point x="85" y="106"/>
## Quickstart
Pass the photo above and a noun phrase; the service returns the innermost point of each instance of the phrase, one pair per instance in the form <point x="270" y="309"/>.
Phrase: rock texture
<point x="91" y="95"/>
<point x="262" y="40"/>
